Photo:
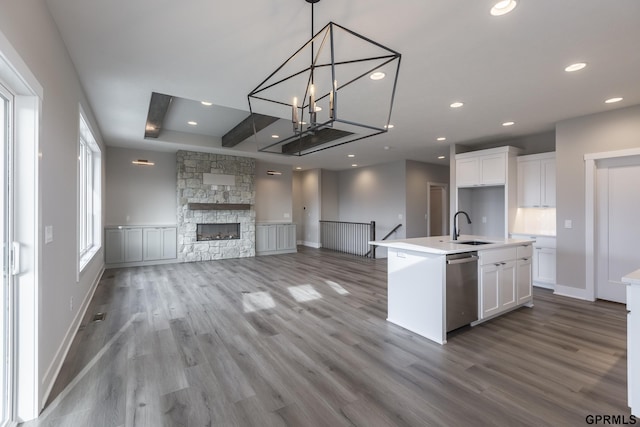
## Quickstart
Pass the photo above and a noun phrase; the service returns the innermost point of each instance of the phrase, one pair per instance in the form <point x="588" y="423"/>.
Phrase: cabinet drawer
<point x="524" y="251"/>
<point x="497" y="255"/>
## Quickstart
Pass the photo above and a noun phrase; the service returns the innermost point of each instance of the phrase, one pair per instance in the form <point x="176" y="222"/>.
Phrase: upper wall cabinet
<point x="484" y="167"/>
<point x="537" y="181"/>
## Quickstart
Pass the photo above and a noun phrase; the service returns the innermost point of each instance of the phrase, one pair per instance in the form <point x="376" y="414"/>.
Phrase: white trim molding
<point x="590" y="167"/>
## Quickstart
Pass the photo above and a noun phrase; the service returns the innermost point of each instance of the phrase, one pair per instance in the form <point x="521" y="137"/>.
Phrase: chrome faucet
<point x="456" y="233"/>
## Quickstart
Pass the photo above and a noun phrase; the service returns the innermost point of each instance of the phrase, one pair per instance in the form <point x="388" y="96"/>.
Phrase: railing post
<point x="372" y="231"/>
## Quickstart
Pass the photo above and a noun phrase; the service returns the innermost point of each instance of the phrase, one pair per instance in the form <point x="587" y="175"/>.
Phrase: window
<point x="89" y="194"/>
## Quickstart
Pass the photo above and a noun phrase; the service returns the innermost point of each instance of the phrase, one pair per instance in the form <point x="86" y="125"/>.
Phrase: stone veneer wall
<point x="191" y="167"/>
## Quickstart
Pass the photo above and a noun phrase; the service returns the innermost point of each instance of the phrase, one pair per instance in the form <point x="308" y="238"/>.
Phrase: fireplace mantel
<point x="218" y="206"/>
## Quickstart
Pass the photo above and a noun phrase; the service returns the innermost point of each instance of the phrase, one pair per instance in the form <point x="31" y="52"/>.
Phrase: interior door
<point x="437" y="218"/>
<point x="617" y="229"/>
<point x="6" y="294"/>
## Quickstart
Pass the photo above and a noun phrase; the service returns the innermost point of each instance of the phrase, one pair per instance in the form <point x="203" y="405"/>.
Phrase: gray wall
<point x="140" y="195"/>
<point x="311" y="207"/>
<point x="418" y="174"/>
<point x="330" y="209"/>
<point x="274" y="193"/>
<point x="615" y="130"/>
<point x="296" y="198"/>
<point x="376" y="193"/>
<point x="28" y="27"/>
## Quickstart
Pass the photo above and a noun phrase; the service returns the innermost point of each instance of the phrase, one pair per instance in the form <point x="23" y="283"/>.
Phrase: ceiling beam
<point x="320" y="137"/>
<point x="244" y="129"/>
<point x="158" y="107"/>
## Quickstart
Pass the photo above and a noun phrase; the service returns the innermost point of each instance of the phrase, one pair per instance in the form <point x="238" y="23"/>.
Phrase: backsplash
<point x="535" y="221"/>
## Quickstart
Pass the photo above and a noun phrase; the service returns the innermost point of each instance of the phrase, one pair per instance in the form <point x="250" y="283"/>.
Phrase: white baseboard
<point x="570" y="291"/>
<point x="544" y="285"/>
<point x="48" y="380"/>
<point x="311" y="244"/>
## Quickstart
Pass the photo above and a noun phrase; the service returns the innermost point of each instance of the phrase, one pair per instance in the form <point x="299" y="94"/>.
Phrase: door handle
<point x="462" y="260"/>
<point x="15" y="258"/>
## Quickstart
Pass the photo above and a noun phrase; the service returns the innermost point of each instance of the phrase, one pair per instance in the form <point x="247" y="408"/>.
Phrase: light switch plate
<point x="568" y="223"/>
<point x="48" y="234"/>
<point x="286" y="215"/>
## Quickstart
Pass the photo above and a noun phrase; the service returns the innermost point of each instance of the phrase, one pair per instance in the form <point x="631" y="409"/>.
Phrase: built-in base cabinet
<point x="139" y="245"/>
<point x="504" y="279"/>
<point x="633" y="347"/>
<point x="274" y="239"/>
<point x="544" y="262"/>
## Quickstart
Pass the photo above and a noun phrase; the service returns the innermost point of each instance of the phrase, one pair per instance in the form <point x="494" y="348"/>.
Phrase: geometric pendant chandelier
<point x="337" y="88"/>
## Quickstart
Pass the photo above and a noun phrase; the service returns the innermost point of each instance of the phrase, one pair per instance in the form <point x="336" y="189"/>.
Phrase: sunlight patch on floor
<point x="256" y="301"/>
<point x="339" y="289"/>
<point x="304" y="293"/>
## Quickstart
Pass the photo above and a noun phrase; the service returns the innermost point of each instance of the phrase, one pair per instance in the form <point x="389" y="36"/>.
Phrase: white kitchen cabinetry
<point x="537" y="181"/>
<point x="474" y="170"/>
<point x="633" y="340"/>
<point x="128" y="246"/>
<point x="159" y="243"/>
<point x="274" y="239"/>
<point x="504" y="280"/>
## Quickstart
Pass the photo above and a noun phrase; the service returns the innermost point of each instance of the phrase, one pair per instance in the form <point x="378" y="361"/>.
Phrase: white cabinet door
<point x="467" y="172"/>
<point x="507" y="285"/>
<point x="548" y="183"/>
<point x="152" y="238"/>
<point x="286" y="239"/>
<point x="169" y="243"/>
<point x="544" y="265"/>
<point x="266" y="238"/>
<point x="524" y="274"/>
<point x="493" y="169"/>
<point x="489" y="290"/>
<point x="132" y="245"/>
<point x="529" y="178"/>
<point x="633" y="348"/>
<point x="114" y="246"/>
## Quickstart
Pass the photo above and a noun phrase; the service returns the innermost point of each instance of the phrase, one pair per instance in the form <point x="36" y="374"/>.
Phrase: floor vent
<point x="98" y="317"/>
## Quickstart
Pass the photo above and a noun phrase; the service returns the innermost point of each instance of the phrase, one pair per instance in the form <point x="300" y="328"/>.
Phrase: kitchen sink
<point x="471" y="242"/>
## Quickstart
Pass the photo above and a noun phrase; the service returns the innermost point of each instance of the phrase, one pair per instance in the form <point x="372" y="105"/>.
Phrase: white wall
<point x="311" y="207"/>
<point x="418" y="175"/>
<point x="376" y="193"/>
<point x="274" y="193"/>
<point x="140" y="195"/>
<point x="610" y="131"/>
<point x="28" y="26"/>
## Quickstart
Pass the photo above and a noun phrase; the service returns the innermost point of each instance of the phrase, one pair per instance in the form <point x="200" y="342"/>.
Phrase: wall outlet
<point x="128" y="218"/>
<point x="484" y="219"/>
<point x="286" y="215"/>
<point x="48" y="234"/>
<point x="71" y="304"/>
<point x="400" y="217"/>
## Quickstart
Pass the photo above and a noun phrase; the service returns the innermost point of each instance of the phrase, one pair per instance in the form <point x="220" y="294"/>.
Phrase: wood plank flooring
<point x="301" y="340"/>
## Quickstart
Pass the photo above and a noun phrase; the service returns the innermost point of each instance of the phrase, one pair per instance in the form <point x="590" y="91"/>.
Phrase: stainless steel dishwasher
<point x="462" y="289"/>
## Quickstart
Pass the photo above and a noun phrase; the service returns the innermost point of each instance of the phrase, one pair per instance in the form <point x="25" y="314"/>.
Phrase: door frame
<point x="590" y="167"/>
<point x="445" y="206"/>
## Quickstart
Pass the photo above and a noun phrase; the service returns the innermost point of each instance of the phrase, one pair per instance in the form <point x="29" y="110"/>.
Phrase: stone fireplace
<point x="215" y="189"/>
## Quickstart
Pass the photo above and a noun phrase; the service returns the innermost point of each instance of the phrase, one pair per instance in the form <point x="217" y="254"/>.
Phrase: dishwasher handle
<point x="472" y="258"/>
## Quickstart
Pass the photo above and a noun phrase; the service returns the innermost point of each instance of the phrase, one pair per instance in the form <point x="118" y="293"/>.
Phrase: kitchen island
<point x="420" y="270"/>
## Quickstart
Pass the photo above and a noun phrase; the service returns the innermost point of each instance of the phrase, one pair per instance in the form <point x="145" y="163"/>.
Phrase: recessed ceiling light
<point x="206" y="103"/>
<point x="575" y="67"/>
<point x="150" y="127"/>
<point x="456" y="104"/>
<point x="441" y="157"/>
<point x="351" y="155"/>
<point x="508" y="123"/>
<point x="441" y="138"/>
<point x="389" y="126"/>
<point x="613" y="100"/>
<point x="298" y="168"/>
<point x="275" y="136"/>
<point x="378" y="75"/>
<point x="354" y="165"/>
<point x="386" y="147"/>
<point x="503" y="7"/>
<point x="192" y="123"/>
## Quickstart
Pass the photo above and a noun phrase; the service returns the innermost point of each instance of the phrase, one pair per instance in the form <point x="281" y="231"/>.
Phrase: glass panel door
<point x="6" y="301"/>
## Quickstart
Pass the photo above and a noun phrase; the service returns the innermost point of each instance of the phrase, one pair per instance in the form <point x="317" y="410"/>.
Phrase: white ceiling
<point x="508" y="68"/>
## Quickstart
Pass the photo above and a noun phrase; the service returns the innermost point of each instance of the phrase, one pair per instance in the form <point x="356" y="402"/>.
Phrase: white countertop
<point x="444" y="245"/>
<point x="632" y="278"/>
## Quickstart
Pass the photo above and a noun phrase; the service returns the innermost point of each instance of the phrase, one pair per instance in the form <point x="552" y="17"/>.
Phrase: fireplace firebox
<point x="207" y="232"/>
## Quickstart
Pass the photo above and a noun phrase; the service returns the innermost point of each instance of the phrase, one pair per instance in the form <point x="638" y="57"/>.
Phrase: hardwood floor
<point x="301" y="340"/>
